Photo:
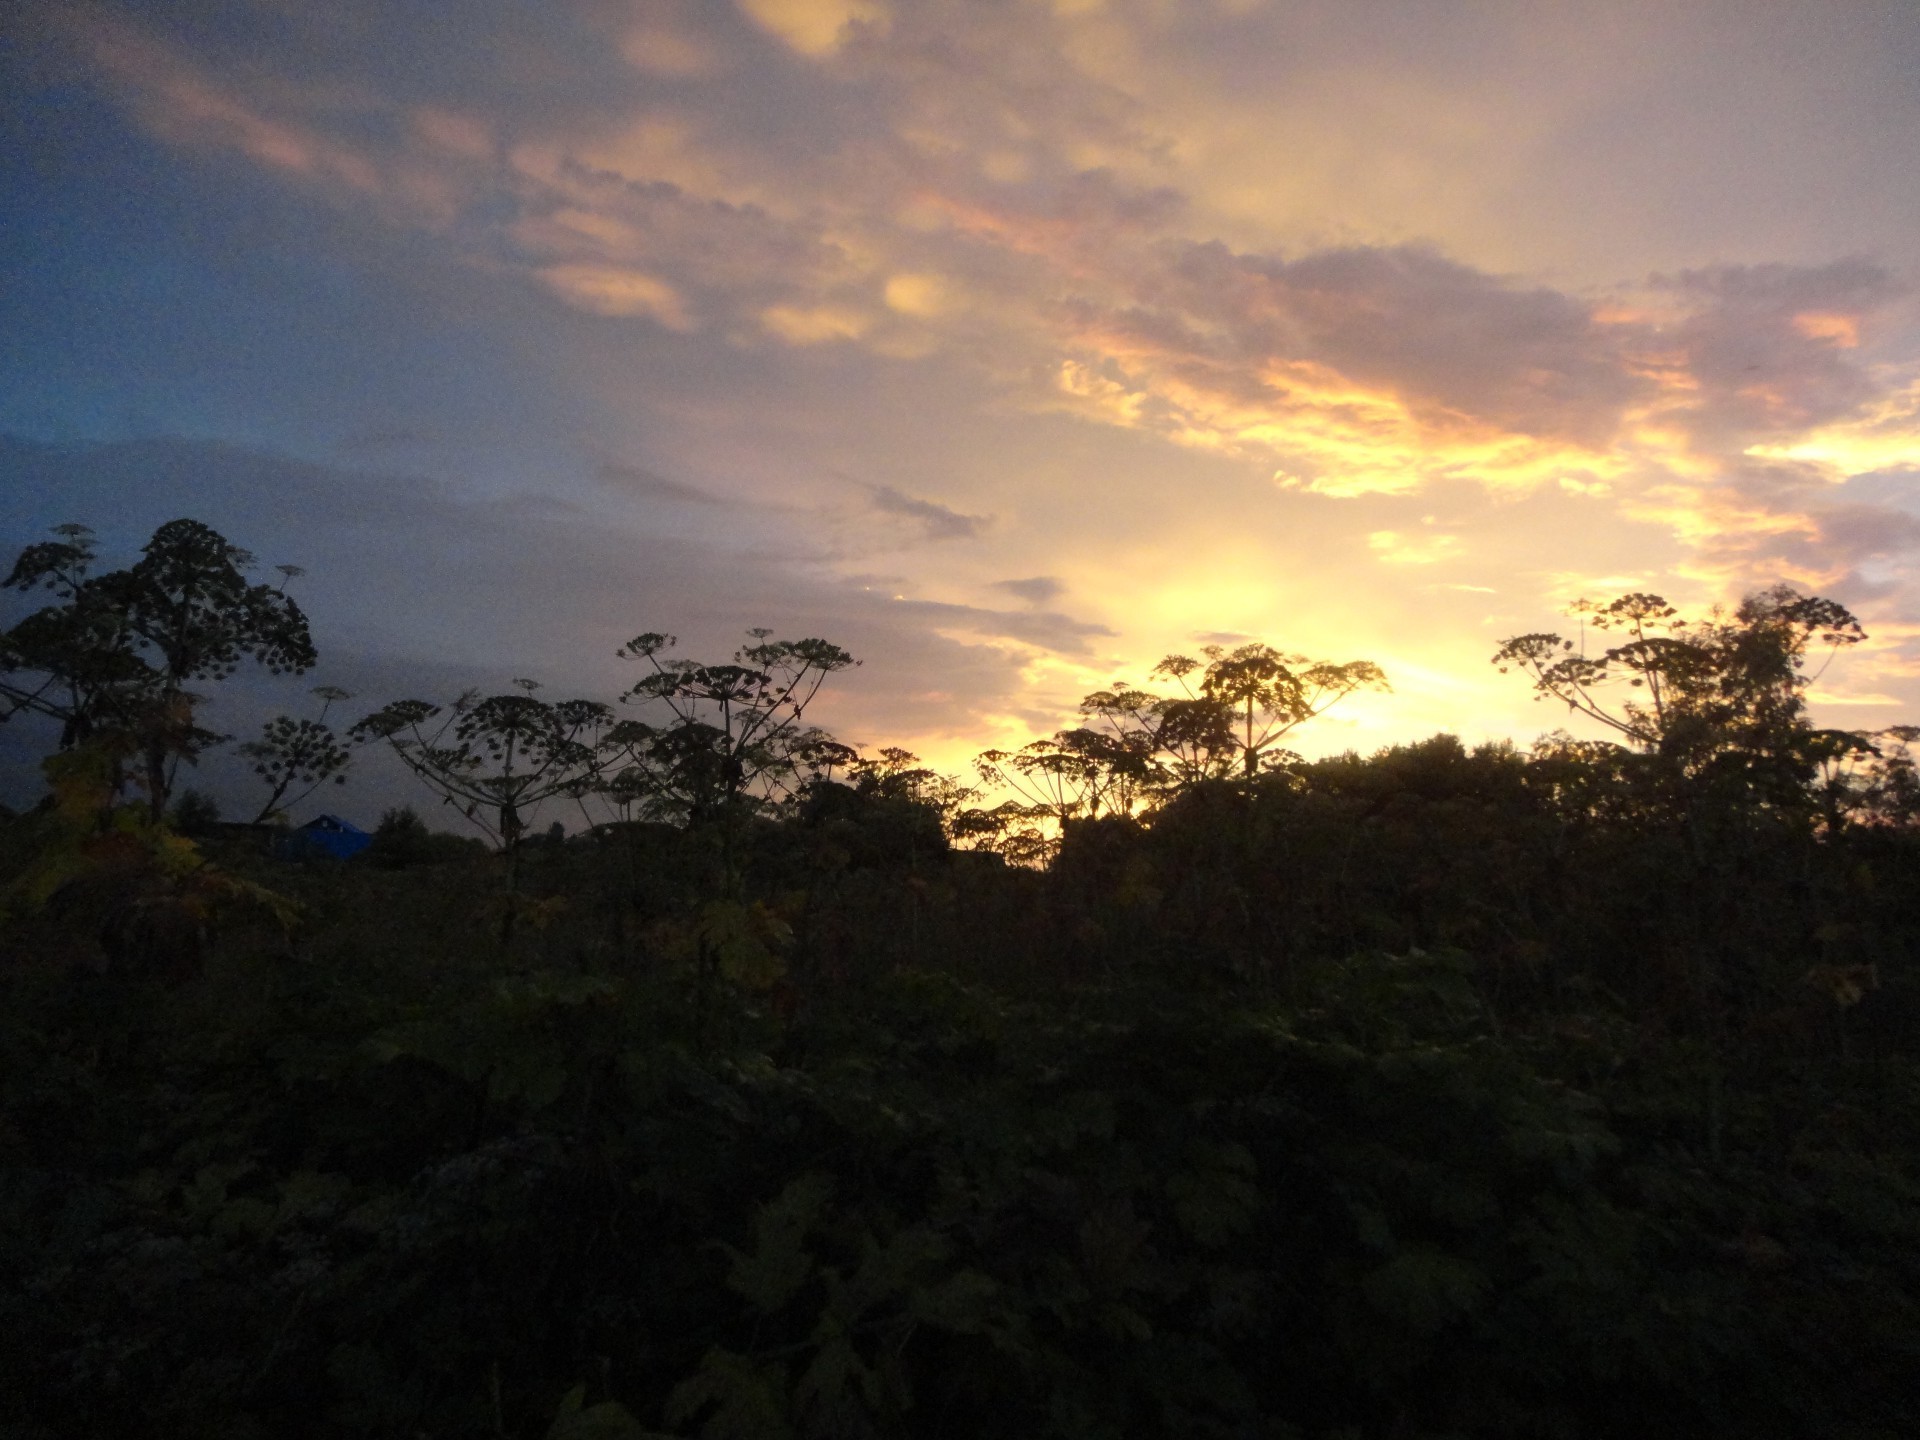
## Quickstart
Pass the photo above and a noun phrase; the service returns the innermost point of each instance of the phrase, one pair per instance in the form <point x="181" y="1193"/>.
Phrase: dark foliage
<point x="111" y="662"/>
<point x="1397" y="1097"/>
<point x="1438" y="1093"/>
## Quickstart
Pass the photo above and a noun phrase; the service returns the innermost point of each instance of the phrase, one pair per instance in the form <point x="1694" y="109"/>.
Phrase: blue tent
<point x="328" y="835"/>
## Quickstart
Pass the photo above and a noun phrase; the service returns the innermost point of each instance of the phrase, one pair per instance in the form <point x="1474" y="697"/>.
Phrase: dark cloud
<point x="1063" y="213"/>
<point x="937" y="521"/>
<point x="1790" y="521"/>
<point x="637" y="481"/>
<point x="1865" y="532"/>
<point x="1443" y="336"/>
<point x="1036" y="590"/>
<point x="1773" y="349"/>
<point x="362" y="59"/>
<point x="1893" y="485"/>
<point x="416" y="588"/>
<point x="381" y="439"/>
<point x="1045" y="629"/>
<point x="729" y="257"/>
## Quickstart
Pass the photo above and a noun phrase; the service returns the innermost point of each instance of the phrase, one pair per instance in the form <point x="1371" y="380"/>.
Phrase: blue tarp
<point x="328" y="835"/>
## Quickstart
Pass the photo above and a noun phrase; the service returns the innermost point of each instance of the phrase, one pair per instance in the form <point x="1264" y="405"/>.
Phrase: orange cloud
<point x="815" y="28"/>
<point x="1841" y="331"/>
<point x="1395" y="547"/>
<point x="814" y="324"/>
<point x="610" y="290"/>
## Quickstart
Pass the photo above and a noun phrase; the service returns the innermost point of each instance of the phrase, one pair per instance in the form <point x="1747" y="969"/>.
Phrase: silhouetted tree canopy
<point x="113" y="659"/>
<point x="1156" y="1080"/>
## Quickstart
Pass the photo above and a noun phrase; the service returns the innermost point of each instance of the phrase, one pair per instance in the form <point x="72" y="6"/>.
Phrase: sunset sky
<point x="1009" y="344"/>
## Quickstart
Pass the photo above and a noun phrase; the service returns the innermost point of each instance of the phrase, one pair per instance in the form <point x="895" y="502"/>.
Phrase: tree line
<point x="1697" y="707"/>
<point x="1151" y="1080"/>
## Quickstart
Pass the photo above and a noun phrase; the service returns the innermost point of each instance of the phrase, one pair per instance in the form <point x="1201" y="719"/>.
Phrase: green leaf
<point x="779" y="1266"/>
<point x="609" y="1420"/>
<point x="745" y="1401"/>
<point x="966" y="1302"/>
<point x="743" y="939"/>
<point x="1425" y="1289"/>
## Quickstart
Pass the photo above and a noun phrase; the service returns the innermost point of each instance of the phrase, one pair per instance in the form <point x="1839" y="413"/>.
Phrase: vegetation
<point x="112" y="661"/>
<point x="295" y="756"/>
<point x="1204" y="1090"/>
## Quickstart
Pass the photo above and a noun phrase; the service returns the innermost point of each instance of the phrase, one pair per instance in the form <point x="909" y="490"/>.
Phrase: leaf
<point x="889" y="1271"/>
<point x="747" y="1401"/>
<point x="1214" y="1206"/>
<point x="309" y="1194"/>
<point x="247" y="1218"/>
<point x="966" y="1302"/>
<point x="609" y="1420"/>
<point x="528" y="1077"/>
<point x="1425" y="1289"/>
<point x="824" y="1382"/>
<point x="742" y="938"/>
<point x="779" y="1266"/>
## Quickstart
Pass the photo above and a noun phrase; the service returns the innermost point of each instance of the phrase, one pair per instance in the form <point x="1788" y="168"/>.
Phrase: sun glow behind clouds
<point x="1885" y="436"/>
<point x="950" y="241"/>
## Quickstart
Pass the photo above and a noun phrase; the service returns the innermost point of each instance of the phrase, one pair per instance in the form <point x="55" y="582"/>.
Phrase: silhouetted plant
<point x="295" y="757"/>
<point x="737" y="739"/>
<point x="894" y="773"/>
<point x="1719" y="701"/>
<point x="119" y="651"/>
<point x="1230" y="713"/>
<point x="495" y="759"/>
<point x="1076" y="774"/>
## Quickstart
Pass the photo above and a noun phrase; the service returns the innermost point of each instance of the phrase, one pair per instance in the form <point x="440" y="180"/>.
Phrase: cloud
<point x="612" y="290"/>
<point x="1444" y="338"/>
<point x="408" y="577"/>
<point x="922" y="295"/>
<point x="638" y="481"/>
<point x="997" y="201"/>
<point x="1005" y="207"/>
<point x="386" y="438"/>
<point x="814" y="28"/>
<point x="814" y="325"/>
<point x="1036" y="590"/>
<point x="958" y="151"/>
<point x="937" y="521"/>
<point x="1767" y="349"/>
<point x="1833" y="697"/>
<point x="1766" y="413"/>
<point x="1398" y="548"/>
<point x="667" y="42"/>
<point x="1043" y="629"/>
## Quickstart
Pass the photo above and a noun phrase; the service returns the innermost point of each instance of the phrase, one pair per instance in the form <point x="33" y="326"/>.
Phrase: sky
<point x="1010" y="344"/>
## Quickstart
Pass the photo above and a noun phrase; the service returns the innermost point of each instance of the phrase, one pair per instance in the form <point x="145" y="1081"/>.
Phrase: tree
<point x="1720" y="700"/>
<point x="1231" y="712"/>
<point x="495" y="759"/>
<point x="1074" y="774"/>
<point x="113" y="660"/>
<point x="194" y="814"/>
<point x="70" y="662"/>
<point x="897" y="774"/>
<point x="298" y="753"/>
<point x="737" y="740"/>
